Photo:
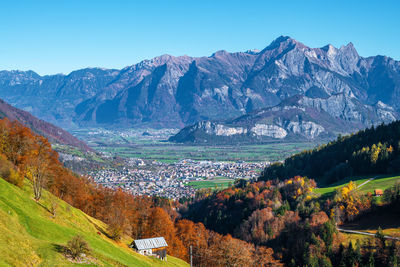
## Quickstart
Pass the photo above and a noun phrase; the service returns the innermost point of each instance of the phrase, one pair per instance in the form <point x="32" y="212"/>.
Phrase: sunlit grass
<point x="380" y="182"/>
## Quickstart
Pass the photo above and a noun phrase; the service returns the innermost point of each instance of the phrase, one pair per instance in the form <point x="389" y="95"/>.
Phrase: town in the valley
<point x="174" y="180"/>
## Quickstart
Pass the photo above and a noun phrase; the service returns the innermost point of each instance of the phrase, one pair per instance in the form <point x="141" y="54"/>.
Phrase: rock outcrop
<point x="298" y="118"/>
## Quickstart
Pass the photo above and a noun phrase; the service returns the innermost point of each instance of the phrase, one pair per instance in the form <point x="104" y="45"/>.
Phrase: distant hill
<point x="298" y="118"/>
<point x="53" y="133"/>
<point x="169" y="91"/>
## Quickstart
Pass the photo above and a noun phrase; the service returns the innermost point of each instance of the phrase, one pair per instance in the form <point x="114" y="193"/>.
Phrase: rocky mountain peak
<point x="282" y="43"/>
<point x="281" y="40"/>
<point x="252" y="51"/>
<point x="349" y="50"/>
<point x="330" y="50"/>
<point x="220" y="53"/>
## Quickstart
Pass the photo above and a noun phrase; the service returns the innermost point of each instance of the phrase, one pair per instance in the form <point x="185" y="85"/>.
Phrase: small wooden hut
<point x="156" y="246"/>
<point x="378" y="192"/>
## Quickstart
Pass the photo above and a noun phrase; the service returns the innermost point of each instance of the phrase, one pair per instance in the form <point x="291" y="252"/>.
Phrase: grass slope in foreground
<point x="30" y="236"/>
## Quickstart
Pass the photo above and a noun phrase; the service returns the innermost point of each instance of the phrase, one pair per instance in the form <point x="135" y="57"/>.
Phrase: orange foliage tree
<point x="348" y="203"/>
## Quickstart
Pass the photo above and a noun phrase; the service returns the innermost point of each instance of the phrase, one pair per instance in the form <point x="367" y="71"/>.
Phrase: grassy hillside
<point x="30" y="236"/>
<point x="382" y="182"/>
<point x="379" y="182"/>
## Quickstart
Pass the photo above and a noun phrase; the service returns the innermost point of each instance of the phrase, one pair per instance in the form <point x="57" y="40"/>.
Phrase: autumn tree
<point x="349" y="201"/>
<point x="228" y="251"/>
<point x="141" y="211"/>
<point x="160" y="224"/>
<point x="9" y="173"/>
<point x="195" y="235"/>
<point x="53" y="206"/>
<point x="263" y="257"/>
<point x="15" y="140"/>
<point x="37" y="164"/>
<point x="298" y="189"/>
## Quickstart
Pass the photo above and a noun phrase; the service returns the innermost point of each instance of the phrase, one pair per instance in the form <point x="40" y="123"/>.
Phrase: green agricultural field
<point x="30" y="236"/>
<point x="169" y="152"/>
<point x="217" y="182"/>
<point x="380" y="182"/>
<point x="330" y="189"/>
<point x="131" y="143"/>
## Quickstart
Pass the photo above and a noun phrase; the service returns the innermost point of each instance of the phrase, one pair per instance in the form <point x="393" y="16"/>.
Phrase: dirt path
<point x="367" y="181"/>
<point x="365" y="233"/>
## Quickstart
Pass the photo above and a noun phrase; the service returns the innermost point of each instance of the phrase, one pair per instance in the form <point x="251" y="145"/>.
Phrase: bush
<point x="77" y="246"/>
<point x="8" y="173"/>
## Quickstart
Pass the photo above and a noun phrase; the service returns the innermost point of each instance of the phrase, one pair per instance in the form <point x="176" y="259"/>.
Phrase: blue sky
<point x="60" y="36"/>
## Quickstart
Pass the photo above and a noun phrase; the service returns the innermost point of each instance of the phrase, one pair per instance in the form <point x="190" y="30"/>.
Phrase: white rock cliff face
<point x="220" y="129"/>
<point x="308" y="129"/>
<point x="269" y="130"/>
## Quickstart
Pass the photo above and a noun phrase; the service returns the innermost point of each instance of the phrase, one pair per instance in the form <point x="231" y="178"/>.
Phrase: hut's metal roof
<point x="149" y="243"/>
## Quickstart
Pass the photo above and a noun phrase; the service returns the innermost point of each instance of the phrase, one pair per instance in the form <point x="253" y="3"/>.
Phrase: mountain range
<point x="333" y="90"/>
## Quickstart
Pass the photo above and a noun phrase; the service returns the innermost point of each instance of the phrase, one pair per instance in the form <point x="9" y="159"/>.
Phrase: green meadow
<point x="217" y="183"/>
<point x="380" y="182"/>
<point x="169" y="152"/>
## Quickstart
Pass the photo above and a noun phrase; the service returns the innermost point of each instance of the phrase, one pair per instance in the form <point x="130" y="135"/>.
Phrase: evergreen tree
<point x="381" y="238"/>
<point x="392" y="255"/>
<point x="350" y="255"/>
<point x="340" y="256"/>
<point x="358" y="255"/>
<point x="371" y="260"/>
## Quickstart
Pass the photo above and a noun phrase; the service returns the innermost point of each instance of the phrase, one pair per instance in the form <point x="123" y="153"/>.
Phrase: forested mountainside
<point x="375" y="150"/>
<point x="170" y="91"/>
<point x="53" y="133"/>
<point x="42" y="184"/>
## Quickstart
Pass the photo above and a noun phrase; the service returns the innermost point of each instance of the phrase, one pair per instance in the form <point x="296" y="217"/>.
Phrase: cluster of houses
<point x="142" y="182"/>
<point x="171" y="180"/>
<point x="209" y="169"/>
